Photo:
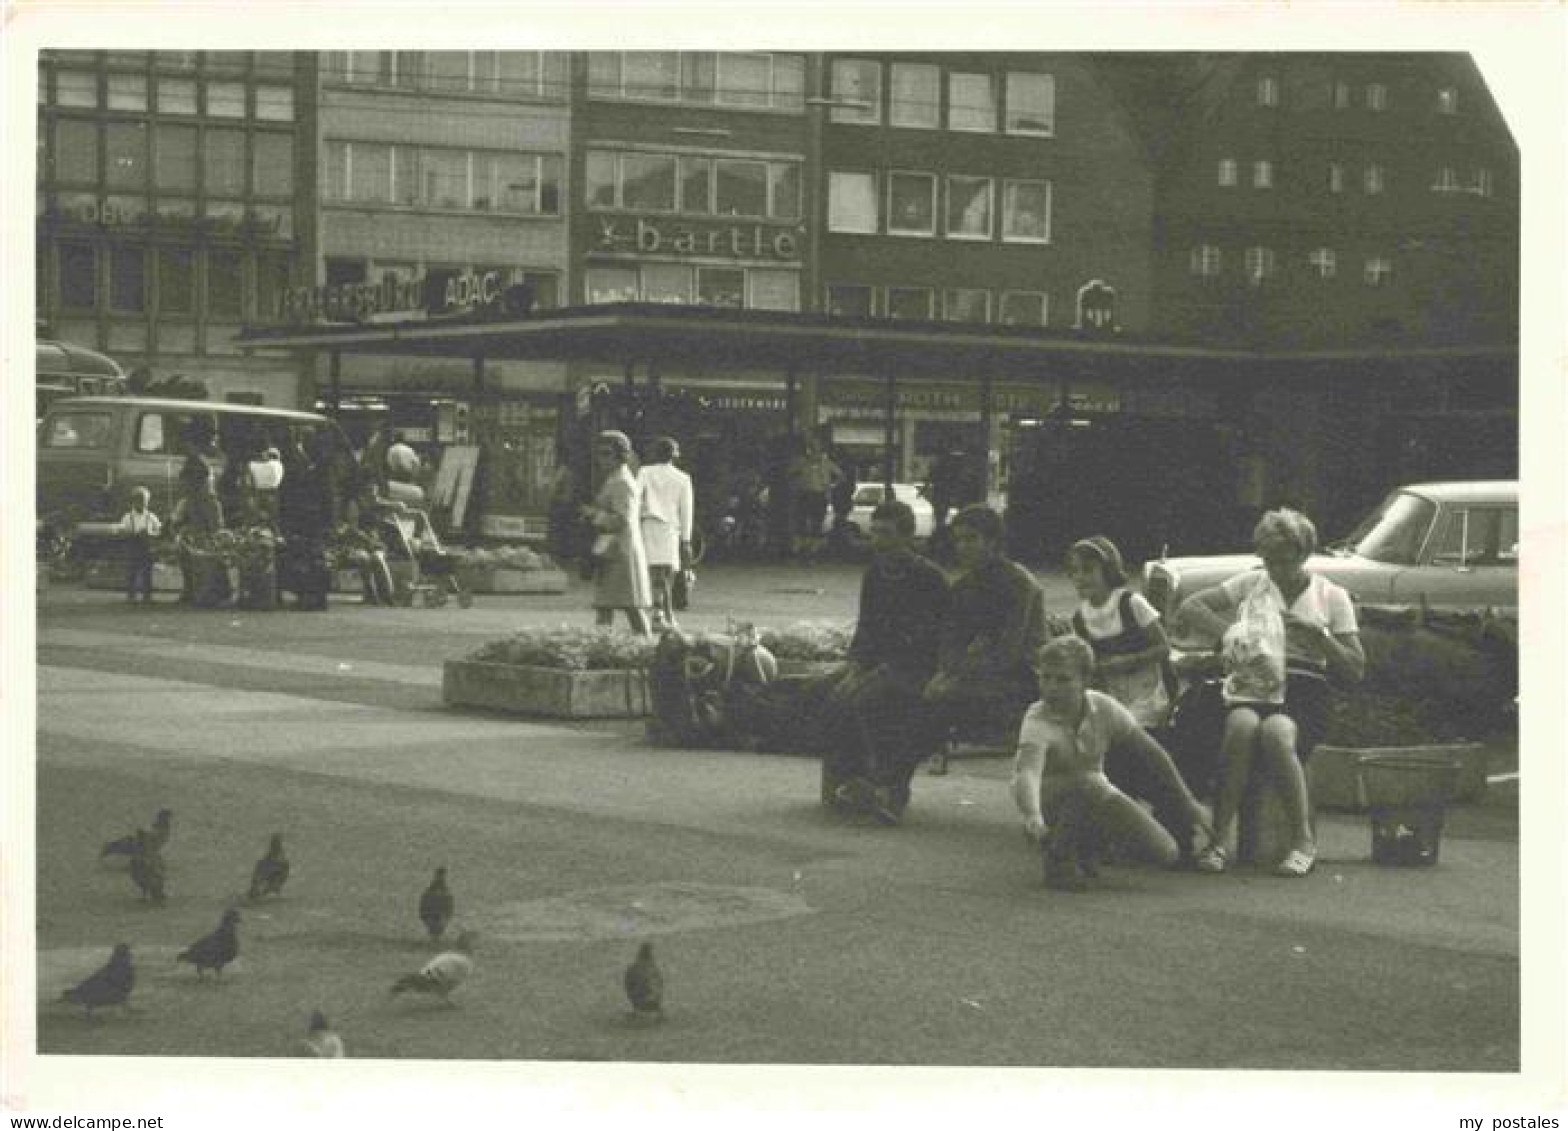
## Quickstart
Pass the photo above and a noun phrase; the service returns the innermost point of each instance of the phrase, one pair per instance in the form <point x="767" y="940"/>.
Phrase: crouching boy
<point x="1070" y="807"/>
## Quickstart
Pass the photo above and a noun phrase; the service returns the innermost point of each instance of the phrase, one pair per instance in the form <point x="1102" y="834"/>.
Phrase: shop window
<point x="226" y="99"/>
<point x="611" y="284"/>
<point x="273" y="164"/>
<point x="443" y="178"/>
<point x="742" y="188"/>
<point x="128" y="92"/>
<point x="916" y="95"/>
<point x="852" y="202"/>
<point x="784" y="190"/>
<point x="648" y="182"/>
<point x="745" y="79"/>
<point x="909" y="303"/>
<point x="1023" y="308"/>
<point x="125" y="153"/>
<point x="699" y="76"/>
<point x="969" y="207"/>
<point x="128" y="280"/>
<point x="1262" y="174"/>
<point x="1204" y="261"/>
<point x="225" y="284"/>
<point x="911" y="204"/>
<point x="722" y="287"/>
<point x="1227" y="173"/>
<point x="76" y="89"/>
<point x="856" y="81"/>
<point x="223" y="162"/>
<point x="697" y="185"/>
<point x="1026" y="211"/>
<point x="274" y="103"/>
<point x="849" y="300"/>
<point x="666" y="282"/>
<point x="599" y="180"/>
<point x="75" y="151"/>
<point x="1322" y="262"/>
<point x="175" y="170"/>
<point x="1031" y="103"/>
<point x="771" y="289"/>
<point x="971" y="102"/>
<point x="176" y="96"/>
<point x="78" y="276"/>
<point x="650" y="74"/>
<point x="966" y="304"/>
<point x="1377" y="271"/>
<point x="176" y="281"/>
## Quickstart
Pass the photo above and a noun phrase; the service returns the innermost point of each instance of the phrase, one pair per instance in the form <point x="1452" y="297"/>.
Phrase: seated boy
<point x="1059" y="784"/>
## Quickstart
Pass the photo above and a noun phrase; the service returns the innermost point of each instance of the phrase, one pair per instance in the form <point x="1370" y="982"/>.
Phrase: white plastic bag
<point x="1254" y="650"/>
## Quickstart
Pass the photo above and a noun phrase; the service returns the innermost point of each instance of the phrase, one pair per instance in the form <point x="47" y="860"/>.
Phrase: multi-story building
<point x="169" y="209"/>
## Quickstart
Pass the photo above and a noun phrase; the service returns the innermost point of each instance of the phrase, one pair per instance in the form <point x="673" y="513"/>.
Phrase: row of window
<point x="165" y="94"/>
<point x="505" y="74"/>
<point x="967" y="206"/>
<point x="915" y="98"/>
<point x="169" y="281"/>
<point x="1374" y="96"/>
<point x="364" y="172"/>
<point x="170" y="158"/>
<point x="754" y="288"/>
<point x="695" y="185"/>
<point x="950" y="304"/>
<point x="342" y="271"/>
<point x="1258" y="263"/>
<point x="263" y="64"/>
<point x="747" y="80"/>
<point x="1374" y="179"/>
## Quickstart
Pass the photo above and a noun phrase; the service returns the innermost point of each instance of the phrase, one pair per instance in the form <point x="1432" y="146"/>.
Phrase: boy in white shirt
<point x="142" y="526"/>
<point x="1059" y="784"/>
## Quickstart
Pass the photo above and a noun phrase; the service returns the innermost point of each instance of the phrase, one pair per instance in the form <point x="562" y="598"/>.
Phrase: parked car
<point x="868" y="496"/>
<point x="66" y="370"/>
<point x="1453" y="545"/>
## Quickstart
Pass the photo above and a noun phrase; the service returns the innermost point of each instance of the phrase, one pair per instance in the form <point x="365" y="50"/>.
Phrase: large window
<point x="76" y="88"/>
<point x="966" y="304"/>
<point x="1031" y="103"/>
<point x="226" y="99"/>
<point x="125" y="152"/>
<point x="969" y="207"/>
<point x="1026" y="211"/>
<point x="1023" y="308"/>
<point x="175" y="170"/>
<point x="745" y="80"/>
<point x="916" y="95"/>
<point x="612" y="284"/>
<point x="742" y="188"/>
<point x="849" y="300"/>
<point x="852" y="202"/>
<point x="721" y="286"/>
<point x="772" y="289"/>
<point x="650" y="74"/>
<point x="857" y="81"/>
<point x="911" y="204"/>
<point x="696" y="186"/>
<point x="273" y="164"/>
<point x="909" y="303"/>
<point x="128" y="92"/>
<point x="666" y="282"/>
<point x="75" y="151"/>
<point x="443" y="178"/>
<point x="599" y="180"/>
<point x="1377" y="96"/>
<point x="223" y="162"/>
<point x="78" y="276"/>
<point x="448" y="70"/>
<point x="784" y="190"/>
<point x="224" y="283"/>
<point x="128" y="280"/>
<point x="275" y="103"/>
<point x="527" y="183"/>
<point x="176" y="96"/>
<point x="648" y="182"/>
<point x="176" y="281"/>
<point x="971" y="102"/>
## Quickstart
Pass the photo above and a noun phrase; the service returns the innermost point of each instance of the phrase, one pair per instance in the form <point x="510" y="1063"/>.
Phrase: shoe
<point x="1212" y="859"/>
<point x="1297" y="863"/>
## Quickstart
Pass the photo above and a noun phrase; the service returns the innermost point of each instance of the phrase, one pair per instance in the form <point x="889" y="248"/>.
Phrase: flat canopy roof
<point x="643" y="332"/>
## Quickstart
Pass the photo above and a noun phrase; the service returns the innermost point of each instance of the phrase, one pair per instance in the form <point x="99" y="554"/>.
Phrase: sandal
<point x="1296" y="863"/>
<point x="1211" y="858"/>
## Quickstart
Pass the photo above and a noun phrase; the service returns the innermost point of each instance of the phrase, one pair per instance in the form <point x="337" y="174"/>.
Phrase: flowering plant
<point x="505" y="557"/>
<point x="568" y="649"/>
<point x="248" y="549"/>
<point x="808" y="640"/>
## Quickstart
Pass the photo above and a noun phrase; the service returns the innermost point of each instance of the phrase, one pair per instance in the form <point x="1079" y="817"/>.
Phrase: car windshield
<point x="1394" y="532"/>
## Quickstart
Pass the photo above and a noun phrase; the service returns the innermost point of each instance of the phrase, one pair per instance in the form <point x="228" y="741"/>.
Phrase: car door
<point x="1472" y="561"/>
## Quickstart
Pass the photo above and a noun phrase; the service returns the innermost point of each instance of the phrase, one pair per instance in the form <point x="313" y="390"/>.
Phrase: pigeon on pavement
<point x="271" y="872"/>
<point x="147" y="867"/>
<point x="110" y="985"/>
<point x="443" y="973"/>
<point x="435" y="905"/>
<point x="217" y="950"/>
<point x="645" y="984"/>
<point x="320" y="1040"/>
<point x="125" y="846"/>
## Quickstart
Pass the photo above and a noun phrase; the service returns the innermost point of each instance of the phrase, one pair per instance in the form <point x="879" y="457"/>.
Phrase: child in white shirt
<point x="141" y="526"/>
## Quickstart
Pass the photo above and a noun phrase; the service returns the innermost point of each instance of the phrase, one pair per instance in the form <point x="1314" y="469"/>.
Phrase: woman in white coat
<point x="620" y="562"/>
<point x="666" y="523"/>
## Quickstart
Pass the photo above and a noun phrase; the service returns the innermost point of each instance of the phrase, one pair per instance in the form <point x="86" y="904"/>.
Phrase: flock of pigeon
<point x="143" y="851"/>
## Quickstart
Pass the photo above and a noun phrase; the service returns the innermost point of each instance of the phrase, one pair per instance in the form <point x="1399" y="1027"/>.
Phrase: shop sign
<point x="741" y="241"/>
<point x="412" y="298"/>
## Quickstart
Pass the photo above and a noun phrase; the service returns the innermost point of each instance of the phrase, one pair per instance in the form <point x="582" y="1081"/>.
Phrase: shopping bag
<point x="1253" y="649"/>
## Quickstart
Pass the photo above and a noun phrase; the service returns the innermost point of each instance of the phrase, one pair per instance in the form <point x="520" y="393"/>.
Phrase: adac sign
<point x="411" y="299"/>
<point x="644" y="236"/>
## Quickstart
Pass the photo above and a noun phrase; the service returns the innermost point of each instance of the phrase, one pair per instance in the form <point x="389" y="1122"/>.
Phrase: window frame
<point x="834" y="176"/>
<point x="1227" y="172"/>
<point x="1324" y="262"/>
<point x="890" y="179"/>
<point x="990" y="81"/>
<point x="1377" y="97"/>
<point x="1373" y="182"/>
<point x="1045" y="308"/>
<point x="990" y="209"/>
<point x="935" y="73"/>
<point x="948" y="293"/>
<point x="1268" y="91"/>
<point x="1259" y="263"/>
<point x="1049" y="87"/>
<point x="930" y="295"/>
<point x="1263" y="174"/>
<point x="1336" y="177"/>
<point x="870" y="114"/>
<point x="1050" y="197"/>
<point x="1205" y="261"/>
<point x="870" y="292"/>
<point x="1377" y="271"/>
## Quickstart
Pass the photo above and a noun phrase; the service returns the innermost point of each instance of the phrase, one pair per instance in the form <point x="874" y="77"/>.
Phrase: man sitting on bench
<point x="995" y="624"/>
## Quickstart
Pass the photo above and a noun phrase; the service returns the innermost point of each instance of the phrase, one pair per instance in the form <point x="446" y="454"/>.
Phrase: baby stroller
<point x="421" y="566"/>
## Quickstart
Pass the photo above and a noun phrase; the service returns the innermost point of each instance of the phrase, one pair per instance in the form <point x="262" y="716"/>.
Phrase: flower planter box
<point x="1334" y="772"/>
<point x="502" y="579"/>
<point x="549" y="692"/>
<point x="808" y="669"/>
<point x="104" y="574"/>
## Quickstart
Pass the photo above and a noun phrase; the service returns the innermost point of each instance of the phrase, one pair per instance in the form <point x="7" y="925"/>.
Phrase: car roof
<point x="1468" y="491"/>
<point x="63" y="358"/>
<point x="216" y="408"/>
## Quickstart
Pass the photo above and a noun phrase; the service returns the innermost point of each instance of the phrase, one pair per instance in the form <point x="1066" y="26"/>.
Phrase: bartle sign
<point x="738" y="241"/>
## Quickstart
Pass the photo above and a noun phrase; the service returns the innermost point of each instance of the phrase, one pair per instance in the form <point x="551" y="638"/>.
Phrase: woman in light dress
<point x="620" y="560"/>
<point x="666" y="523"/>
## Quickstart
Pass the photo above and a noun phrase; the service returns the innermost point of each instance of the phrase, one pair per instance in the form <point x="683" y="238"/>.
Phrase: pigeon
<point x="126" y="846"/>
<point x="271" y="872"/>
<point x="645" y="984"/>
<point x="443" y="973"/>
<point x="217" y="950"/>
<point x="147" y="867"/>
<point x="109" y="986"/>
<point x="435" y="905"/>
<point x="320" y="1041"/>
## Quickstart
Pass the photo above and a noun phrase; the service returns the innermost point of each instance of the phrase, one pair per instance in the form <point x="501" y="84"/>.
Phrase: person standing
<point x="141" y="526"/>
<point x="307" y="511"/>
<point x="620" y="560"/>
<point x="266" y="476"/>
<point x="812" y="476"/>
<point x="667" y="506"/>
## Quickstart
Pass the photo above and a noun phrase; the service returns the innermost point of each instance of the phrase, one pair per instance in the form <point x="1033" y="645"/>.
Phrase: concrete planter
<point x="549" y="692"/>
<point x="103" y="574"/>
<point x="500" y="579"/>
<point x="807" y="669"/>
<point x="1334" y="773"/>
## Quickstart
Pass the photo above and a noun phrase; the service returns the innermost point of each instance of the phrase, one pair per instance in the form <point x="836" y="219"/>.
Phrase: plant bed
<point x="506" y="579"/>
<point x="557" y="673"/>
